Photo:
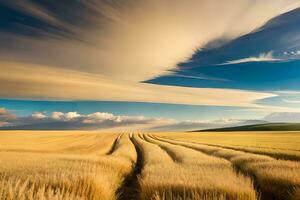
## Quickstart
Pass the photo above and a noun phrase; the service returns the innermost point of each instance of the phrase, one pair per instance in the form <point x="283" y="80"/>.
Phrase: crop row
<point x="276" y="179"/>
<point x="28" y="176"/>
<point x="176" y="172"/>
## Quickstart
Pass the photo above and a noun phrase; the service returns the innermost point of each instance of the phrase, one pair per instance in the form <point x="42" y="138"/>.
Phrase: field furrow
<point x="277" y="179"/>
<point x="156" y="172"/>
<point x="293" y="155"/>
<point x="198" y="176"/>
<point x="114" y="145"/>
<point x="280" y="145"/>
<point x="67" y="177"/>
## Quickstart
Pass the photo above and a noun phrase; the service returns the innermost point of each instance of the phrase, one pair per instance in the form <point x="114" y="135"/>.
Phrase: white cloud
<point x="6" y="117"/>
<point x="198" y="77"/>
<point x="74" y="120"/>
<point x="38" y="115"/>
<point x="292" y="54"/>
<point x="263" y="57"/>
<point x="291" y="101"/>
<point x="6" y="114"/>
<point x="295" y="52"/>
<point x="2" y="124"/>
<point x="71" y="115"/>
<point x="65" y="116"/>
<point x="101" y="116"/>
<point x="287" y="117"/>
<point x="288" y="92"/>
<point x="57" y="115"/>
<point x="110" y="122"/>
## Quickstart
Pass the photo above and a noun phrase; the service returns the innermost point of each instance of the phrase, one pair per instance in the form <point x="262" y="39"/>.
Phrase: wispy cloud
<point x="41" y="82"/>
<point x="190" y="125"/>
<point x="124" y="43"/>
<point x="279" y="117"/>
<point x="34" y="10"/>
<point x="198" y="77"/>
<point x="291" y="101"/>
<point x="263" y="57"/>
<point x="288" y="92"/>
<point x="138" y="40"/>
<point x="293" y="53"/>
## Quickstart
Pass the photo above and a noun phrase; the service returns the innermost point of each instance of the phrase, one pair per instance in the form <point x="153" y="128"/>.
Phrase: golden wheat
<point x="38" y="175"/>
<point x="277" y="179"/>
<point x="281" y="145"/>
<point x="193" y="175"/>
<point x="77" y="142"/>
<point x="82" y="165"/>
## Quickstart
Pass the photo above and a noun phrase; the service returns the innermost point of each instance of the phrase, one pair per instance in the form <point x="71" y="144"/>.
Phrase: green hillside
<point x="260" y="127"/>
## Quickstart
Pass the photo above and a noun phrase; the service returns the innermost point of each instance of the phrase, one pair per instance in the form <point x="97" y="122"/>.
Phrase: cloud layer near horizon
<point x="105" y="121"/>
<point x="109" y="122"/>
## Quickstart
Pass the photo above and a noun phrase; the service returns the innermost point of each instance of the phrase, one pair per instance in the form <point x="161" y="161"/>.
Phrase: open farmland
<point x="86" y="165"/>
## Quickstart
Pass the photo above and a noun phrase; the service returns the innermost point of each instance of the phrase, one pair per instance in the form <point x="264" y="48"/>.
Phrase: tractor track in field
<point x="171" y="154"/>
<point x="130" y="187"/>
<point x="280" y="156"/>
<point x="261" y="195"/>
<point x="130" y="190"/>
<point x="114" y="145"/>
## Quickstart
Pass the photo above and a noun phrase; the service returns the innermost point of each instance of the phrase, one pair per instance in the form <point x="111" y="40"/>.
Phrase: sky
<point x="148" y="65"/>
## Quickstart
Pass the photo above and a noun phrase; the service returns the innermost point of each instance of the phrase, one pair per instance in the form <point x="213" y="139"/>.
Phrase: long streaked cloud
<point x="263" y="57"/>
<point x="33" y="9"/>
<point x="124" y="43"/>
<point x="42" y="82"/>
<point x="288" y="92"/>
<point x="197" y="77"/>
<point x="36" y="82"/>
<point x="141" y="40"/>
<point x="291" y="101"/>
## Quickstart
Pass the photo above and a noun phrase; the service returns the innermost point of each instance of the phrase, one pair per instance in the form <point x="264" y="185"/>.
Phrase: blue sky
<point x="192" y="61"/>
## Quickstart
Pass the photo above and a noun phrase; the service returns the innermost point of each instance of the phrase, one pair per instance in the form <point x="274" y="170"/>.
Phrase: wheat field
<point x="87" y="165"/>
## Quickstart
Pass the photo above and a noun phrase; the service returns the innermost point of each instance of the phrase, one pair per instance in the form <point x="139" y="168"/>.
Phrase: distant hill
<point x="259" y="127"/>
